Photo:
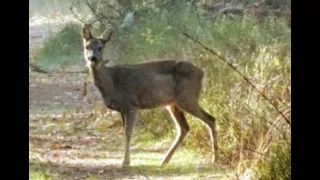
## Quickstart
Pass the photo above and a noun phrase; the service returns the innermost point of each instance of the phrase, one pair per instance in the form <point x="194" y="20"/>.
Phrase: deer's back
<point x="148" y="85"/>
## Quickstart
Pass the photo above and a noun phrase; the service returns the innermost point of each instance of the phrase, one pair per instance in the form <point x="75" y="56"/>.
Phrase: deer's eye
<point x="100" y="48"/>
<point x="87" y="47"/>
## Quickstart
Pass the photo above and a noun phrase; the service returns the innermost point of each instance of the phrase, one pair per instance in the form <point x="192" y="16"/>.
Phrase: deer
<point x="127" y="89"/>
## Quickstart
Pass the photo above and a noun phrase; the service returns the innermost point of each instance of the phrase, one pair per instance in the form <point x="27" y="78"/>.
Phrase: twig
<point x="140" y="172"/>
<point x="99" y="17"/>
<point x="75" y="15"/>
<point x="256" y="152"/>
<point x="113" y="8"/>
<point x="37" y="69"/>
<point x="92" y="10"/>
<point x="276" y="127"/>
<point x="68" y="72"/>
<point x="243" y="76"/>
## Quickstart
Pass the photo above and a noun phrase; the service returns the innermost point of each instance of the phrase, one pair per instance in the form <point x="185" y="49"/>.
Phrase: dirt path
<point x="75" y="138"/>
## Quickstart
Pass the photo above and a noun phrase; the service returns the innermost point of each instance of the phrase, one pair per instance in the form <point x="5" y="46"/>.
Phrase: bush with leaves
<point x="62" y="48"/>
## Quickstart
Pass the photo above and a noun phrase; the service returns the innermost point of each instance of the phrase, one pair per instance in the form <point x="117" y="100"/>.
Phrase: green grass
<point x="184" y="163"/>
<point x="37" y="174"/>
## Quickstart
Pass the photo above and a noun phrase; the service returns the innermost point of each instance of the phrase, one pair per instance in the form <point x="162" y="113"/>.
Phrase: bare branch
<point x="113" y="8"/>
<point x="75" y="15"/>
<point x="93" y="10"/>
<point x="99" y="16"/>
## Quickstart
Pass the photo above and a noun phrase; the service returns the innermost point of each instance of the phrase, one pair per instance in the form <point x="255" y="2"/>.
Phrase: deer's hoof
<point x="126" y="164"/>
<point x="215" y="160"/>
<point x="163" y="163"/>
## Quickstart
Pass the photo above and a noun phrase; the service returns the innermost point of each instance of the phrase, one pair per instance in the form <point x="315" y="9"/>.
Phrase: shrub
<point x="63" y="48"/>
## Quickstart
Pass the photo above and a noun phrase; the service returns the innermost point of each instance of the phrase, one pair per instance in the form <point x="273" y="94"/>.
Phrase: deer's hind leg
<point x="182" y="130"/>
<point x="192" y="107"/>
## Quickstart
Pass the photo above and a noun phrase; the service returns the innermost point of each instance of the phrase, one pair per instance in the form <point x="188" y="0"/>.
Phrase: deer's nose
<point x="93" y="58"/>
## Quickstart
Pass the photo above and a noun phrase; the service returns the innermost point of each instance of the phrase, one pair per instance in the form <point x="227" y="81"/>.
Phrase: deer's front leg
<point x="129" y="118"/>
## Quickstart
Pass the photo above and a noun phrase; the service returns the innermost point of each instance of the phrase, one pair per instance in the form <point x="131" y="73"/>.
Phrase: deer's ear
<point x="86" y="33"/>
<point x="106" y="36"/>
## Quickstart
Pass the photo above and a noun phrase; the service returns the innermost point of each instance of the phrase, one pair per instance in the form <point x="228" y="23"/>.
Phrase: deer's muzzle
<point x="92" y="58"/>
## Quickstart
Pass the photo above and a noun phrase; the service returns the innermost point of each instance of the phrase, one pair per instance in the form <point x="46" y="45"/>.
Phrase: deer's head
<point x="93" y="46"/>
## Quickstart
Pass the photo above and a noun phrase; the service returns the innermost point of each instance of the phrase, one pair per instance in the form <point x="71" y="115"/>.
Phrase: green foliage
<point x="63" y="48"/>
<point x="261" y="51"/>
<point x="38" y="175"/>
<point x="277" y="164"/>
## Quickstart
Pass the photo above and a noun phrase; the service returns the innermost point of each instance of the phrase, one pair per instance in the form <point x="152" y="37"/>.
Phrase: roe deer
<point x="129" y="88"/>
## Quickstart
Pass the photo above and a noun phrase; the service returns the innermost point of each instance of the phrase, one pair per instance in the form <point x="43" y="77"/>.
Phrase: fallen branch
<point x="243" y="76"/>
<point x="70" y="72"/>
<point x="37" y="69"/>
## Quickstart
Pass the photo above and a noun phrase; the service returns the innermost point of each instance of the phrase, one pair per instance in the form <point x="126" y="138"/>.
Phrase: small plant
<point x="276" y="164"/>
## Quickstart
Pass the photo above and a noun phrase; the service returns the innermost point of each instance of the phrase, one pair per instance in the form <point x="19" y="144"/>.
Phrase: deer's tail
<point x="185" y="69"/>
<point x="188" y="76"/>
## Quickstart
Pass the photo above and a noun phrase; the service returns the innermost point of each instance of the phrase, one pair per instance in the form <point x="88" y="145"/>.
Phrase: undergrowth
<point x="261" y="51"/>
<point x="61" y="49"/>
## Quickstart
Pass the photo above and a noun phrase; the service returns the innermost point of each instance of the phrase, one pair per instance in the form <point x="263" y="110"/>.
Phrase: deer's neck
<point x="103" y="81"/>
